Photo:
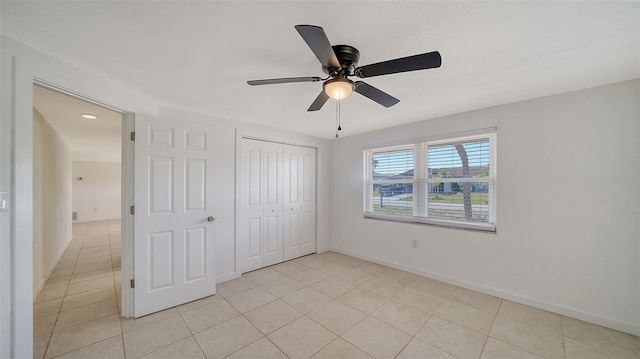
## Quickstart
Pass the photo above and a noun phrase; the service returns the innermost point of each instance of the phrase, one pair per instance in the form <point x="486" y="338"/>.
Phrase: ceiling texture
<point x="197" y="56"/>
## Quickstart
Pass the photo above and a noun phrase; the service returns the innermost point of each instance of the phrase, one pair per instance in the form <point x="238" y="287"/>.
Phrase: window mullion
<point x="419" y="183"/>
<point x="368" y="179"/>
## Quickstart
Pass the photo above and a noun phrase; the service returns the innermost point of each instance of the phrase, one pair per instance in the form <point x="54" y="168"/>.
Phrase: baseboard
<point x="558" y="309"/>
<point x="227" y="277"/>
<point x="37" y="291"/>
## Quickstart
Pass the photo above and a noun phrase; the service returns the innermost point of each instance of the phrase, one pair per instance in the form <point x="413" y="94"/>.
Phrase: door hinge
<point x="132" y="210"/>
<point x="133" y="136"/>
<point x="132" y="283"/>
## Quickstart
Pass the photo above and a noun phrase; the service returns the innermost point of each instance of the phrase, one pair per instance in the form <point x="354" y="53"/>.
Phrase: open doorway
<point x="77" y="191"/>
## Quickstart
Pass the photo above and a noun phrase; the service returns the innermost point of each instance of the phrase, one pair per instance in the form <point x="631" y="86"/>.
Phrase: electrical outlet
<point x="414" y="243"/>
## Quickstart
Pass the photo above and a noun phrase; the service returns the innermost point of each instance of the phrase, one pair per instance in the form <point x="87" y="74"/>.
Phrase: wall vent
<point x="74" y="216"/>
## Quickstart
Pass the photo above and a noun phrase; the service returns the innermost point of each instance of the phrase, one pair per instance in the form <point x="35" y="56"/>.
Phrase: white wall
<point x="51" y="199"/>
<point x="568" y="202"/>
<point x="97" y="196"/>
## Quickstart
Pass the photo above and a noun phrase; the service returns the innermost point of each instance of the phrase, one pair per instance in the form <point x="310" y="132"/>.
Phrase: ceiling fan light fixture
<point x="338" y="88"/>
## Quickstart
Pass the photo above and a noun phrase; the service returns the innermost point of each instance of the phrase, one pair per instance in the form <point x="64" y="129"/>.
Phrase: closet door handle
<point x="211" y="218"/>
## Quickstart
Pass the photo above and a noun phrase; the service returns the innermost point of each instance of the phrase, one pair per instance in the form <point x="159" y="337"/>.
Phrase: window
<point x="447" y="181"/>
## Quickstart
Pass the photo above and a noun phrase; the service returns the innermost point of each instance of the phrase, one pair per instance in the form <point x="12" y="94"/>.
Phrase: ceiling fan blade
<point x="283" y="80"/>
<point x="317" y="40"/>
<point x="410" y="63"/>
<point x="319" y="101"/>
<point x="374" y="94"/>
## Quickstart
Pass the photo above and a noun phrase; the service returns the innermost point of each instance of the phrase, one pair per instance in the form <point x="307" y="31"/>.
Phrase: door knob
<point x="211" y="218"/>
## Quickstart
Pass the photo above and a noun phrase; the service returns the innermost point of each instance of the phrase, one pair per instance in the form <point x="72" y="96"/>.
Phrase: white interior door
<point x="260" y="237"/>
<point x="174" y="238"/>
<point x="307" y="200"/>
<point x="292" y="190"/>
<point x="299" y="201"/>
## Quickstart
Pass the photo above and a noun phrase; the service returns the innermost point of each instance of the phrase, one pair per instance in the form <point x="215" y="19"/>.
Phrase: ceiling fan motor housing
<point x="348" y="56"/>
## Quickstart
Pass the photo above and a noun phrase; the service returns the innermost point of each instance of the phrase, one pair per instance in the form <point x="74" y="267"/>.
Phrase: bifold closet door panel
<point x="300" y="201"/>
<point x="292" y="205"/>
<point x="277" y="203"/>
<point x="307" y="200"/>
<point x="260" y="237"/>
<point x="272" y="182"/>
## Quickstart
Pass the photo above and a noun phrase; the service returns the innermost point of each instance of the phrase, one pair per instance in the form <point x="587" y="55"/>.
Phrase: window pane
<point x="449" y="160"/>
<point x="447" y="201"/>
<point x="392" y="165"/>
<point x="393" y="198"/>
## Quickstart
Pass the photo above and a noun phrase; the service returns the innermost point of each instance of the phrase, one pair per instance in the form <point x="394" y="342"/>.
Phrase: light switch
<point x="3" y="201"/>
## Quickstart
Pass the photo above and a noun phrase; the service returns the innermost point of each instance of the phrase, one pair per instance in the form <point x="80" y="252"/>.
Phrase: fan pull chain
<point x="337" y="115"/>
<point x="338" y="127"/>
<point x="339" y="119"/>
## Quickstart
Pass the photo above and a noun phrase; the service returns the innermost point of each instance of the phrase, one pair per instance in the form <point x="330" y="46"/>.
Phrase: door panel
<point x="293" y="175"/>
<point x="161" y="260"/>
<point x="300" y="204"/>
<point x="272" y="253"/>
<point x="195" y="185"/>
<point x="308" y="201"/>
<point x="255" y="238"/>
<point x="273" y="210"/>
<point x="160" y="185"/>
<point x="292" y="202"/>
<point x="196" y="247"/>
<point x="250" y="237"/>
<point x="259" y="241"/>
<point x="292" y="245"/>
<point x="173" y="241"/>
<point x="254" y="168"/>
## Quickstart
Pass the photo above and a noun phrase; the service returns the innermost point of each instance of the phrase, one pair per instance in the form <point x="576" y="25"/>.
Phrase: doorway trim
<point x="126" y="192"/>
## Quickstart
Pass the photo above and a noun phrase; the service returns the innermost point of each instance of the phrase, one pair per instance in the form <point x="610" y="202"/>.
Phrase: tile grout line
<point x="83" y="240"/>
<point x="124" y="352"/>
<point x="193" y="335"/>
<point x="491" y="328"/>
<point x="64" y="296"/>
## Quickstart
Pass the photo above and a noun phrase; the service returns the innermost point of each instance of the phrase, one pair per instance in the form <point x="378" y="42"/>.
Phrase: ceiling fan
<point x="341" y="61"/>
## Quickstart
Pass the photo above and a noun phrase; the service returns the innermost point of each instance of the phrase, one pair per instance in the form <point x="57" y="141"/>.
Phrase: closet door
<point x="272" y="184"/>
<point x="260" y="237"/>
<point x="292" y="201"/>
<point x="307" y="200"/>
<point x="299" y="201"/>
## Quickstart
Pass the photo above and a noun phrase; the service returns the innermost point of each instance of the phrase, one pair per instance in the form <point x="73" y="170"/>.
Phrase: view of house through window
<point x="449" y="182"/>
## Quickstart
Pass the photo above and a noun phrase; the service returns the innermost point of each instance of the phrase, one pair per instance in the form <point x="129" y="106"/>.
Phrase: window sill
<point x="479" y="227"/>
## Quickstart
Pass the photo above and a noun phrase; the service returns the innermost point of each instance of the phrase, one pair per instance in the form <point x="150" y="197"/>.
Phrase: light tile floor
<point x="324" y="305"/>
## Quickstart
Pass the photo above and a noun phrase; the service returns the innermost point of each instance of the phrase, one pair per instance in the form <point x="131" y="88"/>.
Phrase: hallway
<point x="85" y="285"/>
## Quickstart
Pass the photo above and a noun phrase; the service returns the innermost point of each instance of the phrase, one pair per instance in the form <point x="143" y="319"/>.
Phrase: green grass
<point x="390" y="209"/>
<point x="451" y="214"/>
<point x="476" y="198"/>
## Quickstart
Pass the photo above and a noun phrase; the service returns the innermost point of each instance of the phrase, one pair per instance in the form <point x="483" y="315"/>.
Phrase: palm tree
<point x="375" y="164"/>
<point x="466" y="188"/>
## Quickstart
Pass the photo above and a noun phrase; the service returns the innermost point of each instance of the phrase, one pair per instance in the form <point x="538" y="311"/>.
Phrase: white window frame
<point x="421" y="181"/>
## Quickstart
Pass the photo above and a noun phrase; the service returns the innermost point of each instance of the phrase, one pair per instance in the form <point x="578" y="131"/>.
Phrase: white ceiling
<point x="90" y="140"/>
<point x="198" y="55"/>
